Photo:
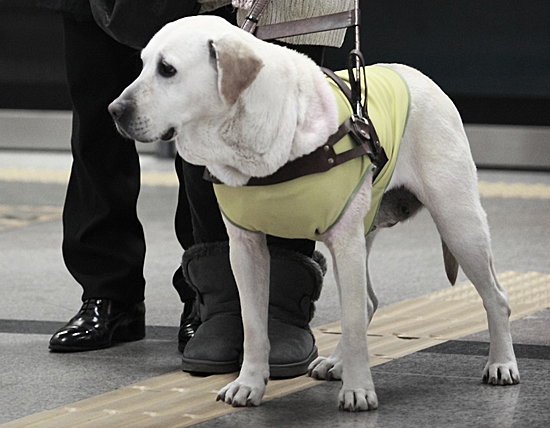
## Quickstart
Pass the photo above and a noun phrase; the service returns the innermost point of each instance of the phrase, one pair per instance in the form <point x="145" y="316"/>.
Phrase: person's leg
<point x="197" y="222"/>
<point x="103" y="241"/>
<point x="198" y="202"/>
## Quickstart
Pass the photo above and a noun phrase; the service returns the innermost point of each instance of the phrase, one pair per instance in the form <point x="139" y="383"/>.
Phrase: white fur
<point x="286" y="111"/>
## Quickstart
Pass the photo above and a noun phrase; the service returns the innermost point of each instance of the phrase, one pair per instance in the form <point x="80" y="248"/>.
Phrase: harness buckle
<point x="361" y="126"/>
<point x="363" y="130"/>
<point x="365" y="135"/>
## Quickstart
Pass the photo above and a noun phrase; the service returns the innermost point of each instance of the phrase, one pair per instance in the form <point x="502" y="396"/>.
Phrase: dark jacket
<point x="77" y="9"/>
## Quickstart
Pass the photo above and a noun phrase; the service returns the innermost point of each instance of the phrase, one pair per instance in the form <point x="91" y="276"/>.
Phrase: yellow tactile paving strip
<point x="514" y="190"/>
<point x="22" y="215"/>
<point x="56" y="176"/>
<point x="158" y="178"/>
<point x="177" y="399"/>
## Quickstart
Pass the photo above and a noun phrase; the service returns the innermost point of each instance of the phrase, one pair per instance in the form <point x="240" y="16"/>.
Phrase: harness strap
<point x="339" y="82"/>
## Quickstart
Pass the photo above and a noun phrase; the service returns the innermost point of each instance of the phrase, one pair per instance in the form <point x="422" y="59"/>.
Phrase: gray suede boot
<point x="217" y="344"/>
<point x="216" y="347"/>
<point x="295" y="284"/>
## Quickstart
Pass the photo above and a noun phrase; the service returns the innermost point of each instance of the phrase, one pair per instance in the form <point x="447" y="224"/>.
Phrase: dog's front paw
<point x="243" y="392"/>
<point x="325" y="368"/>
<point x="357" y="400"/>
<point x="501" y="373"/>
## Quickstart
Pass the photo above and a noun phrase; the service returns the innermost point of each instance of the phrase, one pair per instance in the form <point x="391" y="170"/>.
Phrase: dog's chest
<point x="308" y="206"/>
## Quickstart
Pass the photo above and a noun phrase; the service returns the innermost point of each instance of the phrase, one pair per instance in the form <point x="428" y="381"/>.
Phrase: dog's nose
<point x="117" y="109"/>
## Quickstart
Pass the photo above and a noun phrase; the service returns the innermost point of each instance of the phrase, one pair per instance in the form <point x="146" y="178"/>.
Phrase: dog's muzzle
<point x="123" y="114"/>
<point x="121" y="111"/>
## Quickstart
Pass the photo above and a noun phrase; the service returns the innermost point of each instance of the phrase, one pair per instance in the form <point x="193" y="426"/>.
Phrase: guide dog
<point x="244" y="108"/>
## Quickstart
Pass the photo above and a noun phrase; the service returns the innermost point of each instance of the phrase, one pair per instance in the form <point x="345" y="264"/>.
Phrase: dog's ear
<point x="237" y="66"/>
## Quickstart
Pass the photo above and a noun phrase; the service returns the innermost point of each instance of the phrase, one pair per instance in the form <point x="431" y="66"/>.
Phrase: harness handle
<point x="251" y="21"/>
<point x="358" y="82"/>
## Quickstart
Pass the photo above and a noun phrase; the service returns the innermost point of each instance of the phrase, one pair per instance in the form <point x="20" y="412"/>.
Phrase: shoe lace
<point x="90" y="304"/>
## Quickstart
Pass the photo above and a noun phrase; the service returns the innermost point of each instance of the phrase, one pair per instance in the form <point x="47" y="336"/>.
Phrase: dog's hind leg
<point x="465" y="231"/>
<point x="249" y="258"/>
<point x="449" y="191"/>
<point x="372" y="303"/>
<point x="436" y="164"/>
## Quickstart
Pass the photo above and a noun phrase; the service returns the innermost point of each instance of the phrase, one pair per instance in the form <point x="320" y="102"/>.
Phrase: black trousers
<point x="103" y="240"/>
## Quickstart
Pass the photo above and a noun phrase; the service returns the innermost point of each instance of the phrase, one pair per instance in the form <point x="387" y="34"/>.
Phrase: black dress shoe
<point x="189" y="322"/>
<point x="99" y="324"/>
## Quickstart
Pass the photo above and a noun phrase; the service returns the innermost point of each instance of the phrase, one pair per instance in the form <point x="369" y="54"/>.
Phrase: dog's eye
<point x="165" y="69"/>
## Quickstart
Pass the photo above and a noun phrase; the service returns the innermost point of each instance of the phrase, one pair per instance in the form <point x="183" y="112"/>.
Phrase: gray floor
<point x="437" y="387"/>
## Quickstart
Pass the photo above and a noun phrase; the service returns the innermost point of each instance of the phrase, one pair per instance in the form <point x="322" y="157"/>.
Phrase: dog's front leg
<point x="249" y="258"/>
<point x="349" y="253"/>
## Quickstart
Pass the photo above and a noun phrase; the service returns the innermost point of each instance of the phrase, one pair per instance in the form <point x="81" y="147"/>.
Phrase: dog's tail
<point x="451" y="263"/>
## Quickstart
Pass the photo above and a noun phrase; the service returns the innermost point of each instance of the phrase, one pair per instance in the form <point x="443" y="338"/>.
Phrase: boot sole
<point x="202" y="367"/>
<point x="293" y="369"/>
<point x="278" y="371"/>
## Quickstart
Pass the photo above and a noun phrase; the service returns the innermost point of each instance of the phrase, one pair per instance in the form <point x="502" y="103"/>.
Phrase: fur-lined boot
<point x="295" y="284"/>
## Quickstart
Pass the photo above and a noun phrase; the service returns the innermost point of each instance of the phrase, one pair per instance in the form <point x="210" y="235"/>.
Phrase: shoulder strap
<point x="341" y="84"/>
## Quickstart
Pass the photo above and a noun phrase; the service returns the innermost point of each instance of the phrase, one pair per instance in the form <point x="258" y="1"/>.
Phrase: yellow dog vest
<point x="308" y="206"/>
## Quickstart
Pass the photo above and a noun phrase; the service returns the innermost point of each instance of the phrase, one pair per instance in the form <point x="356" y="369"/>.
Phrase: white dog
<point x="244" y="108"/>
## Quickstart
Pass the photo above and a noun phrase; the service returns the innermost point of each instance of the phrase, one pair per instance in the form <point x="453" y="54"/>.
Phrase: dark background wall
<point x="491" y="56"/>
<point x="31" y="58"/>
